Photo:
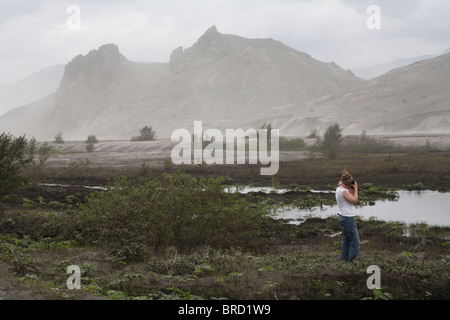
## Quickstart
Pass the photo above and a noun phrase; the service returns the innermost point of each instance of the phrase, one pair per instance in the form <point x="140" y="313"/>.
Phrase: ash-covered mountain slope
<point x="222" y="80"/>
<point x="228" y="81"/>
<point x="32" y="88"/>
<point x="411" y="99"/>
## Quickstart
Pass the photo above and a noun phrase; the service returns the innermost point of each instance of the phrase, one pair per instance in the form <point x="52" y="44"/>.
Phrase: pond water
<point x="247" y="189"/>
<point x="430" y="207"/>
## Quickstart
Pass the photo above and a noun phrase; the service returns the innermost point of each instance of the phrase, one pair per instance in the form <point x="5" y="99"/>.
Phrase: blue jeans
<point x="350" y="239"/>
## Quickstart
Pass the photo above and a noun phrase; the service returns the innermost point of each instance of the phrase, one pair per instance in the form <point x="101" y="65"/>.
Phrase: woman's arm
<point x="353" y="199"/>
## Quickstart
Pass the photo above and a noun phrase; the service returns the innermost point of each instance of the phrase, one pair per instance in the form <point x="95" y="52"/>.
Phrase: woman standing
<point x="346" y="198"/>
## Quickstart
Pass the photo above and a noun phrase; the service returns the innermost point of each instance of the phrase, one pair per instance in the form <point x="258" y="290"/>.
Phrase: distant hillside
<point x="228" y="81"/>
<point x="372" y="72"/>
<point x="36" y="86"/>
<point x="411" y="99"/>
<point x="221" y="80"/>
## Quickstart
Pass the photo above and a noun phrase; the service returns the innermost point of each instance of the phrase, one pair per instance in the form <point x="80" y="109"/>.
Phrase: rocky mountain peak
<point x="208" y="38"/>
<point x="229" y="81"/>
<point x="208" y="45"/>
<point x="107" y="52"/>
<point x="87" y="83"/>
<point x="108" y="49"/>
<point x="106" y="60"/>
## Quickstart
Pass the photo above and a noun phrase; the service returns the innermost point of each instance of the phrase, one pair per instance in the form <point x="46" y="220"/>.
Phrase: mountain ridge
<point x="410" y="99"/>
<point x="371" y="72"/>
<point x="34" y="87"/>
<point x="224" y="80"/>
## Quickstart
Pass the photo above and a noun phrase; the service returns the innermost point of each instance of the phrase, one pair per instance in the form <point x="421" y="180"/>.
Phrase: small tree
<point x="15" y="155"/>
<point x="313" y="134"/>
<point x="147" y="134"/>
<point x="59" y="138"/>
<point x="42" y="154"/>
<point x="294" y="144"/>
<point x="91" y="139"/>
<point x="90" y="147"/>
<point x="332" y="139"/>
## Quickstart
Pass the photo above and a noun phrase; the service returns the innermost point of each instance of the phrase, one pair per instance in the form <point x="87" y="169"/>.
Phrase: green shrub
<point x="59" y="138"/>
<point x="91" y="139"/>
<point x="90" y="147"/>
<point x="173" y="210"/>
<point x="295" y="144"/>
<point x="313" y="134"/>
<point x="16" y="154"/>
<point x="332" y="139"/>
<point x="146" y="134"/>
<point x="365" y="144"/>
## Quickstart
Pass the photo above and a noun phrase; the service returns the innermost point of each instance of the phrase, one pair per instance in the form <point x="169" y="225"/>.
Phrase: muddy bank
<point x="407" y="172"/>
<point x="298" y="262"/>
<point x="302" y="262"/>
<point x="429" y="166"/>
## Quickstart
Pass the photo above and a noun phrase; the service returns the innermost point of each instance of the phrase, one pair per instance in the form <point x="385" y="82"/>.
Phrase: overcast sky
<point x="34" y="33"/>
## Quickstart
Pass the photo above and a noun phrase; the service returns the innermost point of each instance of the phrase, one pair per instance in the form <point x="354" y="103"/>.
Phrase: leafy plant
<point x="20" y="262"/>
<point x="29" y="278"/>
<point x="172" y="210"/>
<point x="332" y="139"/>
<point x="408" y="254"/>
<point x="91" y="139"/>
<point x="313" y="133"/>
<point x="16" y="154"/>
<point x="379" y="294"/>
<point x="90" y="147"/>
<point x="297" y="144"/>
<point x="146" y="134"/>
<point x="75" y="168"/>
<point x="59" y="138"/>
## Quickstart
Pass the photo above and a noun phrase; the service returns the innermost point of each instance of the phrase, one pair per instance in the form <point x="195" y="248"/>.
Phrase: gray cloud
<point x="34" y="34"/>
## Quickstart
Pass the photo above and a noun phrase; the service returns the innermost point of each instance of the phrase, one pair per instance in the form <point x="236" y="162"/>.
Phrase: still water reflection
<point x="430" y="207"/>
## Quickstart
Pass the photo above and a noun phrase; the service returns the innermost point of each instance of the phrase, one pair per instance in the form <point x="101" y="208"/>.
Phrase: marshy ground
<point x="296" y="262"/>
